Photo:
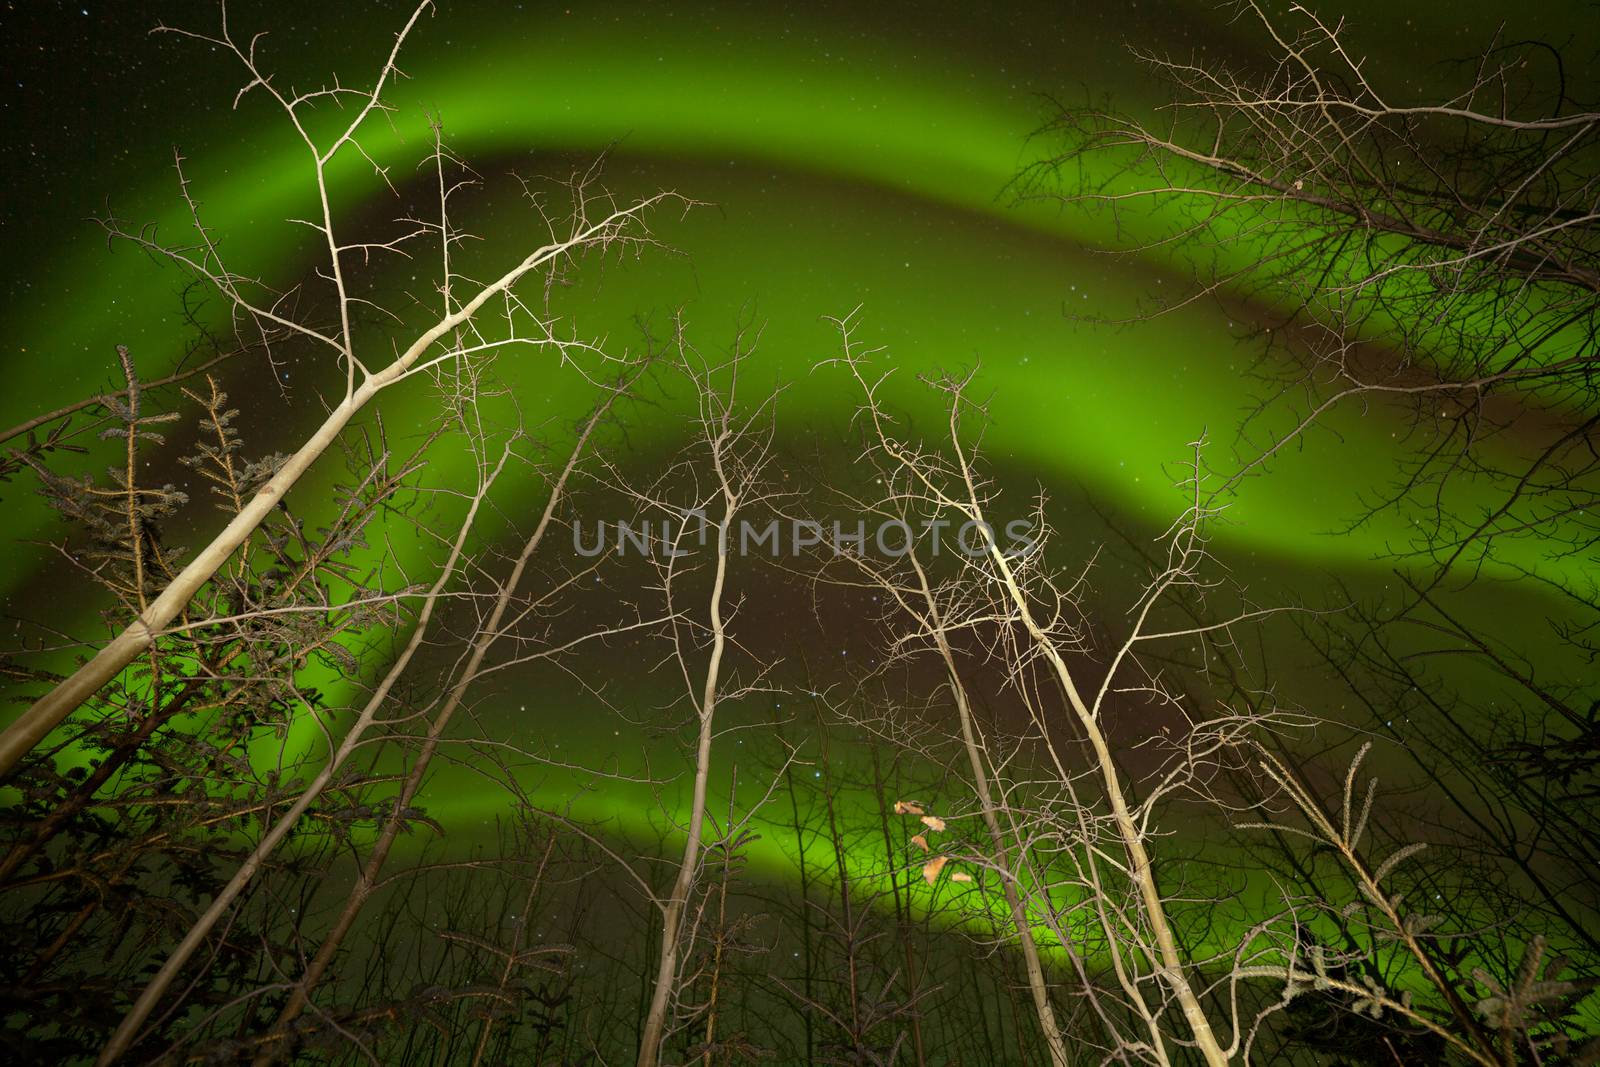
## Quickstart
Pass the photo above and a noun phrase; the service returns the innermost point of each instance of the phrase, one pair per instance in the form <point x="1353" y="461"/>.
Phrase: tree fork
<point x="50" y="710"/>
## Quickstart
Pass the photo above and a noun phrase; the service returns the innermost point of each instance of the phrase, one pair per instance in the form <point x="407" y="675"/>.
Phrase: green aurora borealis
<point x="850" y="156"/>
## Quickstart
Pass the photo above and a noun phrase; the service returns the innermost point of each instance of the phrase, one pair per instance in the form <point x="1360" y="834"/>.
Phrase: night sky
<point x="850" y="154"/>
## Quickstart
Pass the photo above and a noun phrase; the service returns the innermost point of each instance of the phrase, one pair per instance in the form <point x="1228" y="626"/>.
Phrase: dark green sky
<point x="854" y="157"/>
<point x="855" y="154"/>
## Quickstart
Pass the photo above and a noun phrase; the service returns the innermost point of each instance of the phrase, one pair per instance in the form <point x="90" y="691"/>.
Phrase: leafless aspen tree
<point x="1439" y="260"/>
<point x="596" y="223"/>
<point x="168" y="788"/>
<point x="727" y="472"/>
<point x="371" y="714"/>
<point x="1445" y="256"/>
<point x="924" y="604"/>
<point x="1032" y="623"/>
<point x="1005" y="789"/>
<point x="1383" y="939"/>
<point x="1435" y="259"/>
<point x="494" y="628"/>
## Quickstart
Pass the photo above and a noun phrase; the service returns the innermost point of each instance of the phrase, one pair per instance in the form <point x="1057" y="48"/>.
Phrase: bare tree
<point x="489" y="470"/>
<point x="922" y="621"/>
<point x="1433" y="262"/>
<point x="596" y="223"/>
<point x="1032" y="621"/>
<point x="1011" y="865"/>
<point x="126" y="841"/>
<point x="731" y="456"/>
<point x="1438" y="255"/>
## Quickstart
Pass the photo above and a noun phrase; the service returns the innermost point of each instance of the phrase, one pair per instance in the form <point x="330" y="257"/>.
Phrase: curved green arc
<point x="959" y="151"/>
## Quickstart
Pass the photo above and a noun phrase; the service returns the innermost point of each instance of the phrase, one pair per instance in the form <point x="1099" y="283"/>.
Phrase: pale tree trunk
<point x="1015" y="906"/>
<point x="967" y="501"/>
<point x="1031" y="963"/>
<point x="158" y="985"/>
<point x="1173" y="967"/>
<point x="219" y="906"/>
<point x="672" y="911"/>
<point x="48" y="712"/>
<point x="367" y="880"/>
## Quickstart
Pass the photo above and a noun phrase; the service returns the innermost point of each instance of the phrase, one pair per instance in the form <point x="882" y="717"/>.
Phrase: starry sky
<point x="852" y="155"/>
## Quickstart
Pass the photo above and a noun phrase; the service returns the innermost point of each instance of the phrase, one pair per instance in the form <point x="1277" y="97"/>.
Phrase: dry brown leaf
<point x="961" y="876"/>
<point x="920" y="841"/>
<point x="931" y="869"/>
<point x="933" y="822"/>
<point x="907" y="807"/>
